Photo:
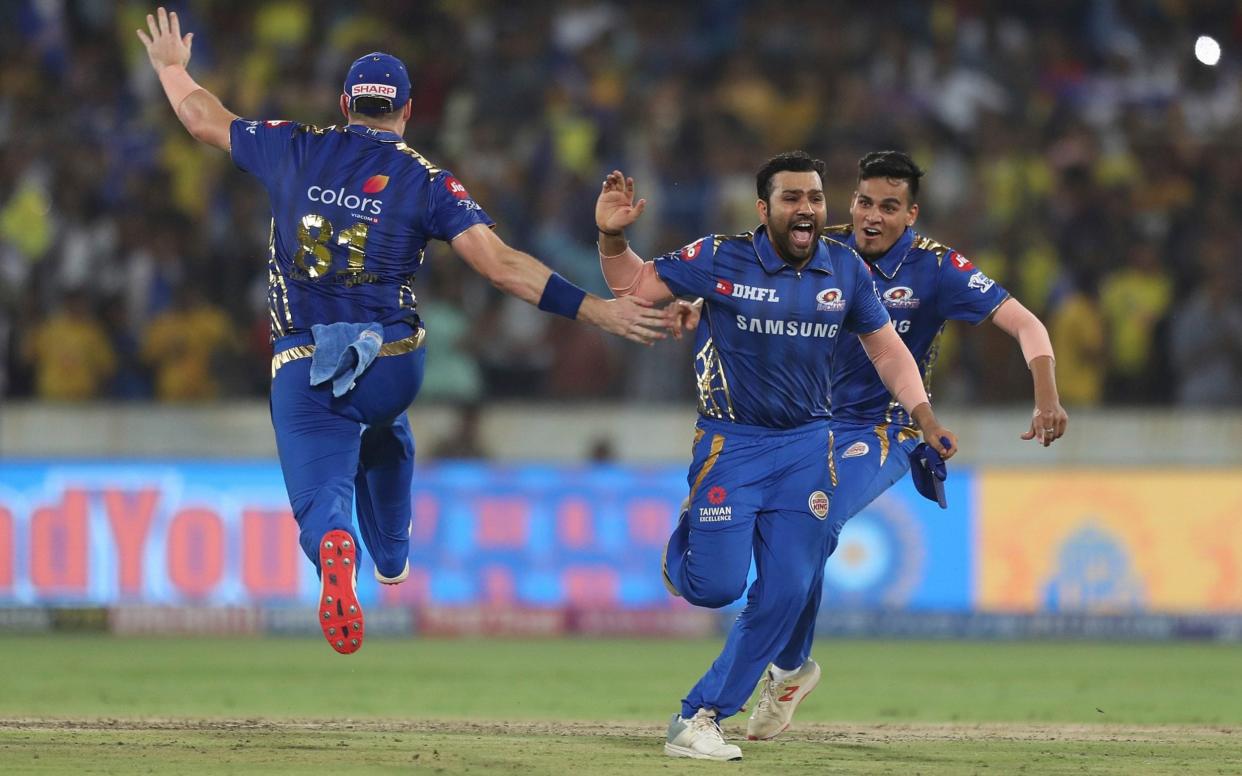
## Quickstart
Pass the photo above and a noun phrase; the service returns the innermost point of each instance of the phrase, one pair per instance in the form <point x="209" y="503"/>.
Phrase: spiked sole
<point x="340" y="614"/>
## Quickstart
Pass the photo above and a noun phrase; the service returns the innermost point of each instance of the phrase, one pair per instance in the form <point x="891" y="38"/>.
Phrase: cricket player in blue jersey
<point x="353" y="208"/>
<point x="923" y="284"/>
<point x="780" y="303"/>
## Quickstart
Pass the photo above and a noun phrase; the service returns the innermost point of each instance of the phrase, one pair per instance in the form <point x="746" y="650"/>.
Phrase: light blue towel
<point x="343" y="351"/>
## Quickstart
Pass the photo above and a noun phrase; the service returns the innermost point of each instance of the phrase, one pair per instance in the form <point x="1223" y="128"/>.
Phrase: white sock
<point x="781" y="674"/>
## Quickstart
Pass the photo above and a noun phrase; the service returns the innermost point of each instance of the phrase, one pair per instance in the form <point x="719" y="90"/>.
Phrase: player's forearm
<point x="1043" y="376"/>
<point x="200" y="111"/>
<point x="896" y="368"/>
<point x="627" y="274"/>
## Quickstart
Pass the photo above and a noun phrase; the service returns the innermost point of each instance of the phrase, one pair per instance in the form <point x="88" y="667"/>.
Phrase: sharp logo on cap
<point x="373" y="90"/>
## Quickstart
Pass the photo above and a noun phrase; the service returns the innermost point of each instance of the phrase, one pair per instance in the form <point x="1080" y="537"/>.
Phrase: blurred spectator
<point x="463" y="442"/>
<point x="1062" y="143"/>
<point x="1206" y="335"/>
<point x="70" y="352"/>
<point x="184" y="346"/>
<point x="1077" y="329"/>
<point x="1134" y="300"/>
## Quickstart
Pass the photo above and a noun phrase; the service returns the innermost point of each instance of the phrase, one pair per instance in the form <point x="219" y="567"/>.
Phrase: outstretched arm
<point x="624" y="270"/>
<point x="900" y="374"/>
<point x="198" y="109"/>
<point x="1050" y="419"/>
<point x="525" y="277"/>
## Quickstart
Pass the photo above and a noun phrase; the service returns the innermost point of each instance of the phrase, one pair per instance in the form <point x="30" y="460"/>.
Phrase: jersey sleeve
<point x="690" y="271"/>
<point x="450" y="208"/>
<point x="866" y="312"/>
<point x="964" y="292"/>
<point x="258" y="147"/>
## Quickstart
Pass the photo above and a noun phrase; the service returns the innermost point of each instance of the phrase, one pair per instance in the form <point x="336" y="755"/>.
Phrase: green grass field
<point x="110" y="705"/>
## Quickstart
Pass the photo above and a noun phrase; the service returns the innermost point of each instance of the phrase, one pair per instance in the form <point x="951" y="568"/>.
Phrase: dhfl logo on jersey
<point x="830" y="300"/>
<point x="754" y="293"/>
<point x="900" y="296"/>
<point x="960" y="262"/>
<point x="691" y="251"/>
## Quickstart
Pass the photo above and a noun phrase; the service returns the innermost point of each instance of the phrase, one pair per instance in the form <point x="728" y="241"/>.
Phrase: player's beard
<point x="783" y="241"/>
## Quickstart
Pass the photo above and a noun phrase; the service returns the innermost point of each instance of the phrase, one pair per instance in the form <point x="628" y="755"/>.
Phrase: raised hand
<point x="165" y="45"/>
<point x="616" y="209"/>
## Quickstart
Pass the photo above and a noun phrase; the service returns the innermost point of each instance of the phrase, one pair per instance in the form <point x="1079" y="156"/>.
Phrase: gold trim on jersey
<point x="928" y="244"/>
<point x="709" y="367"/>
<point x="698" y="437"/>
<point x="395" y="348"/>
<point x="277" y="291"/>
<point x="718" y="441"/>
<point x="832" y="458"/>
<point x="881" y="433"/>
<point x="431" y="169"/>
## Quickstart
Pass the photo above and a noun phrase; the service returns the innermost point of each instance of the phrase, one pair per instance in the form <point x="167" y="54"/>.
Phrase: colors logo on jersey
<point x="830" y="300"/>
<point x="755" y="293"/>
<point x="818" y="504"/>
<point x="900" y="296"/>
<point x="981" y="282"/>
<point x="373" y="90"/>
<point x="960" y="262"/>
<point x="689" y="252"/>
<point x="375" y="184"/>
<point x="364" y="207"/>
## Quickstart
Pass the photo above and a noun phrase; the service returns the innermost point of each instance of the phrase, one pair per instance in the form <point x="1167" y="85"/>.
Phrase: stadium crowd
<point x="1076" y="151"/>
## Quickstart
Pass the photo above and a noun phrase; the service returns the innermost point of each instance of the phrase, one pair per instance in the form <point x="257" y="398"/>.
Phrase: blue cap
<point x="378" y="75"/>
<point x="928" y="471"/>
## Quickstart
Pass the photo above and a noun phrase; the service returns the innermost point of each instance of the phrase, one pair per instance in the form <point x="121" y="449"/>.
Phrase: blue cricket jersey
<point x="922" y="284"/>
<point x="766" y="344"/>
<point x="352" y="211"/>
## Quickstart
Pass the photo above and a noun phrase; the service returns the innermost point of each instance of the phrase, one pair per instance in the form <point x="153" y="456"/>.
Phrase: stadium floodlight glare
<point x="1207" y="50"/>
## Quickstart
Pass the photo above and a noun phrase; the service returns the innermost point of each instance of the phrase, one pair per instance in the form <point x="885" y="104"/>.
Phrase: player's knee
<point x="714" y="592"/>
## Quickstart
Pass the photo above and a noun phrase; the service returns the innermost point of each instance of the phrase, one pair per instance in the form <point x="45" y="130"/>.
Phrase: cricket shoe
<point x="383" y="580"/>
<point x="340" y="614"/>
<point x="699" y="737"/>
<point x="778" y="698"/>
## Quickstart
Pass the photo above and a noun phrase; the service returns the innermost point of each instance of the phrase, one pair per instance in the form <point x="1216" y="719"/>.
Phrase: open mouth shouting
<point x="802" y="234"/>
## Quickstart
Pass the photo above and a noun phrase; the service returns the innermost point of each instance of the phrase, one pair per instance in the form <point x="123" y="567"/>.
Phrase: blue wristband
<point x="561" y="297"/>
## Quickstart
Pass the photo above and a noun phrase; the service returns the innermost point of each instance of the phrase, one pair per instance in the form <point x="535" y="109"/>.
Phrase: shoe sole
<point x="797" y="703"/>
<point x="681" y="751"/>
<point x="339" y="614"/>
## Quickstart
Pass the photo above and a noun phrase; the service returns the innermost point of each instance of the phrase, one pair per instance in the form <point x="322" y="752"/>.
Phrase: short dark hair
<point x="790" y="161"/>
<point x="891" y="164"/>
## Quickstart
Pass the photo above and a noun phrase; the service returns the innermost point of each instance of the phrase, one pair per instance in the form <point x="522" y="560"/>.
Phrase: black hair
<point x="372" y="106"/>
<point x="790" y="161"/>
<point x="891" y="164"/>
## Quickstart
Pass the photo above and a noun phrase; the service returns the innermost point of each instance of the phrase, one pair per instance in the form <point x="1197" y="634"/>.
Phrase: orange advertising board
<point x="1109" y="541"/>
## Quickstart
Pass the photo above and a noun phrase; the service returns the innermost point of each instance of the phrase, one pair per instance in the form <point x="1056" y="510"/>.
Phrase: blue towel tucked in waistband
<point x="343" y="351"/>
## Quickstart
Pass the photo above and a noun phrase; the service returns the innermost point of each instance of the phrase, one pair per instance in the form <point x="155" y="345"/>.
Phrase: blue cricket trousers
<point x="753" y="492"/>
<point x="870" y="460"/>
<point x="333" y="448"/>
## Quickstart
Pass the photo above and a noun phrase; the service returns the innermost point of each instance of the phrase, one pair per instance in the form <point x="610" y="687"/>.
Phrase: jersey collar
<point x="382" y="135"/>
<point x="772" y="263"/>
<point x="888" y="264"/>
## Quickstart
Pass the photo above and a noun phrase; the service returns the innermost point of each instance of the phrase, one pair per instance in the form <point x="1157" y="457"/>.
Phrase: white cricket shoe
<point x="777" y="700"/>
<point x="699" y="737"/>
<point x="383" y="580"/>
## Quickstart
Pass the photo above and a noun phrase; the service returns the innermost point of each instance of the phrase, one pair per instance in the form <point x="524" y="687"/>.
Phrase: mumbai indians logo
<point x="981" y="282"/>
<point x="900" y="296"/>
<point x="373" y="185"/>
<point x="830" y="300"/>
<point x="818" y="503"/>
